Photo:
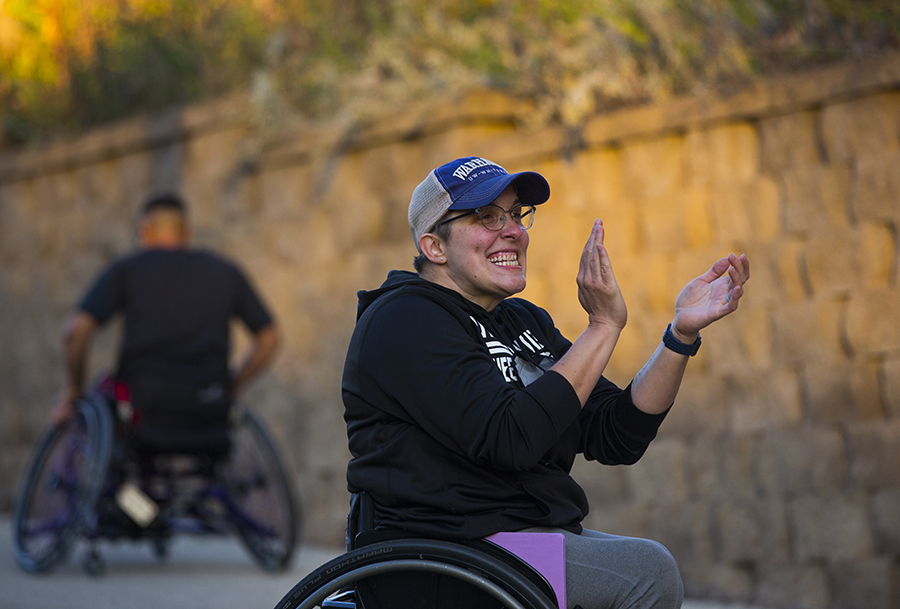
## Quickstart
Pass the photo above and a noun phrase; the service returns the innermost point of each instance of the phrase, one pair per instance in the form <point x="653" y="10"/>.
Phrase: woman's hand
<point x="598" y="292"/>
<point x="710" y="297"/>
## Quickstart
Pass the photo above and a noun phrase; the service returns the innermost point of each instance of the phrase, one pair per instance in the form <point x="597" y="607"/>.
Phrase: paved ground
<point x="201" y="573"/>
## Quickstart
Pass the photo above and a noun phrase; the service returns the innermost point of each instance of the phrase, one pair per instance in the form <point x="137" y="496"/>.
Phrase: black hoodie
<point x="457" y="427"/>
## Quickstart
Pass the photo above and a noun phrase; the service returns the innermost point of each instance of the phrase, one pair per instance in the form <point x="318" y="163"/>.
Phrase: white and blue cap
<point x="468" y="183"/>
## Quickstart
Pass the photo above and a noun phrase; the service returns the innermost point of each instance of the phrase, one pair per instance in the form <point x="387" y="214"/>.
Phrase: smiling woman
<point x="466" y="408"/>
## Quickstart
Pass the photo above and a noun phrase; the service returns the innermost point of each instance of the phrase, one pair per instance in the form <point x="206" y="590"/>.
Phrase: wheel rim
<point x="62" y="484"/>
<point x="258" y="496"/>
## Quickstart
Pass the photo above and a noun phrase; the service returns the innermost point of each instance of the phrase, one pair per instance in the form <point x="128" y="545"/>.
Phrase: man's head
<point x="163" y="222"/>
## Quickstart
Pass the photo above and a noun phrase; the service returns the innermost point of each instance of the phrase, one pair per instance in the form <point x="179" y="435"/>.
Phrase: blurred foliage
<point x="68" y="64"/>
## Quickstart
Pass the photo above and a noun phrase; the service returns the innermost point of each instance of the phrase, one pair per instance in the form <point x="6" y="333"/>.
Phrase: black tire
<point x="60" y="486"/>
<point x="499" y="580"/>
<point x="260" y="500"/>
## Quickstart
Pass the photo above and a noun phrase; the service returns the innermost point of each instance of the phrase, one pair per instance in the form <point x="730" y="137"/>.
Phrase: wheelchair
<point x="389" y="569"/>
<point x="85" y="479"/>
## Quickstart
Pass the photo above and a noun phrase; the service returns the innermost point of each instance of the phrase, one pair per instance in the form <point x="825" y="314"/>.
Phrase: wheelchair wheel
<point x="60" y="486"/>
<point x="499" y="583"/>
<point x="260" y="498"/>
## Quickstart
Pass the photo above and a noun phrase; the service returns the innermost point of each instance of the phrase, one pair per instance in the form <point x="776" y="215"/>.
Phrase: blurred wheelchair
<point x="388" y="569"/>
<point x="89" y="478"/>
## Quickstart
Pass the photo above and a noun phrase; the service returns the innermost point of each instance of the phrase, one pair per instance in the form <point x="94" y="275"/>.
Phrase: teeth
<point x="505" y="260"/>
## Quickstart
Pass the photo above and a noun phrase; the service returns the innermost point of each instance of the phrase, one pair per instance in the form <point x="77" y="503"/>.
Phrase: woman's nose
<point x="511" y="229"/>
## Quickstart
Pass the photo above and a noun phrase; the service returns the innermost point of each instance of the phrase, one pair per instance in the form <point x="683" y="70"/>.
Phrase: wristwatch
<point x="679" y="347"/>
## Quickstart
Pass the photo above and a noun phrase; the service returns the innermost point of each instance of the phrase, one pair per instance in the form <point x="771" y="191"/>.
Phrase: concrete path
<point x="200" y="573"/>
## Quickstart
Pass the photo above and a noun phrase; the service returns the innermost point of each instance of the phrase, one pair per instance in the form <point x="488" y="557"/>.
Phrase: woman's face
<point x="487" y="266"/>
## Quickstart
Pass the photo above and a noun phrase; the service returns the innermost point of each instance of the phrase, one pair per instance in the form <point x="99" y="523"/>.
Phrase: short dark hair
<point x="442" y="231"/>
<point x="163" y="201"/>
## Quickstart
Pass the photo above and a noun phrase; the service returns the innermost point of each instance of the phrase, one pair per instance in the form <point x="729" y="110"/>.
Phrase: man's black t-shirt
<point x="177" y="305"/>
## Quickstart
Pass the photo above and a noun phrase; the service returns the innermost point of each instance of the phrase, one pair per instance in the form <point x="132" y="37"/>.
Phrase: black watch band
<point x="679" y="347"/>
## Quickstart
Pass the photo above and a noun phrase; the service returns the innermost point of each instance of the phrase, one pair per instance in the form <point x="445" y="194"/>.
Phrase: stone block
<point x="790" y="462"/>
<point x="809" y="330"/>
<point x="877" y="242"/>
<point x="210" y="163"/>
<point x="785" y="584"/>
<point x="660" y="477"/>
<point x="872" y="323"/>
<point x="699" y="407"/>
<point x="717" y="580"/>
<point x="871" y="583"/>
<point x="830" y="527"/>
<point x="721" y="466"/>
<point x="604" y="485"/>
<point x="660" y="286"/>
<point x="763" y="399"/>
<point x="890" y="381"/>
<point x="684" y="529"/>
<point x="751" y="530"/>
<point x="618" y="519"/>
<point x="287" y="193"/>
<point x="789" y="141"/>
<point x="874" y="452"/>
<point x="733" y="213"/>
<point x="861" y="127"/>
<point x="590" y="184"/>
<point x="816" y="197"/>
<point x="743" y="341"/>
<point x="833" y="261"/>
<point x="726" y="154"/>
<point x="654" y="169"/>
<point x="884" y="510"/>
<point x="698" y="222"/>
<point x="877" y="193"/>
<point x="791" y="276"/>
<point x="665" y="223"/>
<point x="763" y="199"/>
<point x="839" y="391"/>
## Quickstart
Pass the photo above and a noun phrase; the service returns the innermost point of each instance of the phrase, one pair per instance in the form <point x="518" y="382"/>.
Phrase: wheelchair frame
<point x="70" y="484"/>
<point x="386" y="568"/>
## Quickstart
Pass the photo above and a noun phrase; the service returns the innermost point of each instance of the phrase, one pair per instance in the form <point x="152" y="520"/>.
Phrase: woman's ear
<point x="432" y="247"/>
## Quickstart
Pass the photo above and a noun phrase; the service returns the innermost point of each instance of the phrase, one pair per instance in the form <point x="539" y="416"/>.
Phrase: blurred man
<point x="177" y="304"/>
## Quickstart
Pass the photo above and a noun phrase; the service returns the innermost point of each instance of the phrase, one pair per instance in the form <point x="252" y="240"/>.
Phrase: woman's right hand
<point x="598" y="291"/>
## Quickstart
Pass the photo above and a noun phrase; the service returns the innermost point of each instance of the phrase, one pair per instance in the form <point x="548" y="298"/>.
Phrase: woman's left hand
<point x="710" y="297"/>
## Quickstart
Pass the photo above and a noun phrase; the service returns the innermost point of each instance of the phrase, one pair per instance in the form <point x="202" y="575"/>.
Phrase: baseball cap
<point x="468" y="183"/>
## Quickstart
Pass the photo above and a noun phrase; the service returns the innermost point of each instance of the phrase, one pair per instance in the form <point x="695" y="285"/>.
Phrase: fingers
<point x="590" y="269"/>
<point x="739" y="269"/>
<point x="589" y="248"/>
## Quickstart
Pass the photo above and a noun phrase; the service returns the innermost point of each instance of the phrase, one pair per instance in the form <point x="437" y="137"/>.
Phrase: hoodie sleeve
<point x="612" y="430"/>
<point x="414" y="360"/>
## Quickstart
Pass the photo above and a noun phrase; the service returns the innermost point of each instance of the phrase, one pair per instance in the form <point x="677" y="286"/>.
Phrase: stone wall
<point x="775" y="479"/>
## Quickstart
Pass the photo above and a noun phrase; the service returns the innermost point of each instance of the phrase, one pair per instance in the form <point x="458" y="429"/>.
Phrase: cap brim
<point x="531" y="187"/>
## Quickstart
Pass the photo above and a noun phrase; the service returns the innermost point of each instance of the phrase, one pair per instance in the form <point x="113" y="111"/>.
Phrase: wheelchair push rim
<point x="491" y="575"/>
<point x="60" y="487"/>
<point x="260" y="498"/>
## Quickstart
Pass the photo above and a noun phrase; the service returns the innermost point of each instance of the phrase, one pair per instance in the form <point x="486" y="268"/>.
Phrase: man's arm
<point x="259" y="355"/>
<point x="78" y="330"/>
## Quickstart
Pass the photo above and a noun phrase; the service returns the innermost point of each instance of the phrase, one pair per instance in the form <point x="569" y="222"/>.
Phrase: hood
<point x="497" y="320"/>
<point x="394" y="281"/>
<point x="412" y="282"/>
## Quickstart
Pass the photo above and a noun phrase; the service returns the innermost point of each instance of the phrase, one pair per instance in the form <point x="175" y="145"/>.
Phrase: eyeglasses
<point x="493" y="217"/>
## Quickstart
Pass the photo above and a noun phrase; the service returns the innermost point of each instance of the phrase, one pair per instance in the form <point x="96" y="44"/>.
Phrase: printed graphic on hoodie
<point x="516" y="369"/>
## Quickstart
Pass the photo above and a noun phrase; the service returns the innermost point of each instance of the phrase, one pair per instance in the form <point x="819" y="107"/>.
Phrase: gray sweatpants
<point x="612" y="572"/>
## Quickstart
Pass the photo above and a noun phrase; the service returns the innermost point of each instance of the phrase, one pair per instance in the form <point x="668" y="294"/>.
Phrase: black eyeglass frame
<point x="503" y="214"/>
